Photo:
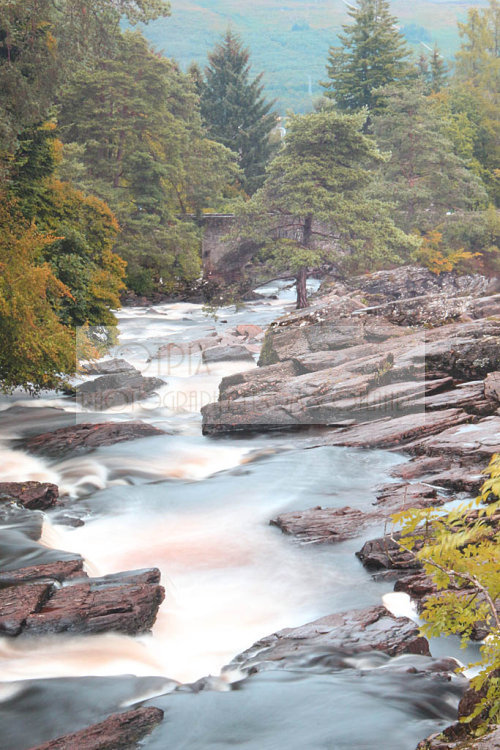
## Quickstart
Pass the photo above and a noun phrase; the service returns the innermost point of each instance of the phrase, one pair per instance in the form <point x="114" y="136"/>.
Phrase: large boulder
<point x="353" y="632"/>
<point x="108" y="367"/>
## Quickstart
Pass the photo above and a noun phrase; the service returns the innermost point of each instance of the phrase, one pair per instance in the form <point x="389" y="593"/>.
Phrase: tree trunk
<point x="301" y="279"/>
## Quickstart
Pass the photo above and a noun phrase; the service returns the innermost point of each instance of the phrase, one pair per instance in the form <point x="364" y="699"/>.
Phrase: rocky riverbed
<point x="401" y="361"/>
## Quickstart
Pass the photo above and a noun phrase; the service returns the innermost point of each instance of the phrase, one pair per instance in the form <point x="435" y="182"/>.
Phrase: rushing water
<point x="199" y="509"/>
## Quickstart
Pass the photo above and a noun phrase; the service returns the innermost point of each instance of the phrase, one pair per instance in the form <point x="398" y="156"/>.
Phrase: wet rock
<point x="256" y="380"/>
<point x="96" y="606"/>
<point x="353" y="632"/>
<point x="31" y="495"/>
<point x="469" y="396"/>
<point x="323" y="525"/>
<point x="121" y="389"/>
<point x="459" y="475"/>
<point x="108" y="367"/>
<point x="17" y="603"/>
<point x="59" y="571"/>
<point x="81" y="438"/>
<point x="122" y="730"/>
<point x="385" y="553"/>
<point x="226" y="354"/>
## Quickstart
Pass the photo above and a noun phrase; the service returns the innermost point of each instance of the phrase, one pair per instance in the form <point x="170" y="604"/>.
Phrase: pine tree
<point x="438" y="71"/>
<point x="424" y="178"/>
<point x="314" y="198"/>
<point x="372" y="54"/>
<point x="235" y="111"/>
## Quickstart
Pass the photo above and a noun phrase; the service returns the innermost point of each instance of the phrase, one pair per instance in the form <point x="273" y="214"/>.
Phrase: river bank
<point x="357" y="378"/>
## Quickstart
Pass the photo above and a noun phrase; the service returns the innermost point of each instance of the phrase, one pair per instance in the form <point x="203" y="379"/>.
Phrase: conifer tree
<point x="424" y="178"/>
<point x="314" y="200"/>
<point x="235" y="111"/>
<point x="372" y="54"/>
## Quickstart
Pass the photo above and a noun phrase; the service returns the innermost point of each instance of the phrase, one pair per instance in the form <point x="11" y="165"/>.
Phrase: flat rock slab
<point x="226" y="354"/>
<point x="120" y="389"/>
<point x="96" y="607"/>
<point x="81" y="438"/>
<point x="395" y="433"/>
<point x="353" y="632"/>
<point x="324" y="525"/>
<point x="121" y="730"/>
<point x="31" y="495"/>
<point x="492" y="386"/>
<point x="108" y="367"/>
<point x="479" y="440"/>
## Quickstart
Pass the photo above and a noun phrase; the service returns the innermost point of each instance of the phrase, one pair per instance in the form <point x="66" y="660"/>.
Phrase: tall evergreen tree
<point x="372" y="54"/>
<point x="133" y="124"/>
<point x="235" y="111"/>
<point x="424" y="178"/>
<point x="314" y="199"/>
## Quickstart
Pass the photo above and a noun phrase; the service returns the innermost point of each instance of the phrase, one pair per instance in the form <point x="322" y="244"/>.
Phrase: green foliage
<point x="314" y="198"/>
<point x="234" y="110"/>
<point x="36" y="349"/>
<point x="423" y="178"/>
<point x="460" y="550"/>
<point x="372" y="54"/>
<point x="134" y="135"/>
<point x="478" y="79"/>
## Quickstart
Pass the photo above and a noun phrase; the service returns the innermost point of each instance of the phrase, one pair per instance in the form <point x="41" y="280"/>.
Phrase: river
<point x="199" y="509"/>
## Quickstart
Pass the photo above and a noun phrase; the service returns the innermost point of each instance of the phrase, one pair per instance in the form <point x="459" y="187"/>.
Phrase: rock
<point x="385" y="554"/>
<point x="17" y="603"/>
<point x="414" y="281"/>
<point x="98" y="605"/>
<point x="122" y="730"/>
<point x="31" y="495"/>
<point x="81" y="438"/>
<point x="428" y="309"/>
<point x="256" y="380"/>
<point x="226" y="354"/>
<point x="492" y="386"/>
<point x="108" y="367"/>
<point x="486" y="307"/>
<point x="395" y="433"/>
<point x="53" y="571"/>
<point x="249" y="330"/>
<point x="457" y="474"/>
<point x="394" y="498"/>
<point x="320" y="525"/>
<point x="479" y="441"/>
<point x="353" y="632"/>
<point x="121" y="389"/>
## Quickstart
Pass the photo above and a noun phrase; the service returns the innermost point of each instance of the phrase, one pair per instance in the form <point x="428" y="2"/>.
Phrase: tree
<point x="478" y="81"/>
<point x="315" y="195"/>
<point x="41" y="44"/>
<point x="423" y="178"/>
<point x="36" y="349"/>
<point x="234" y="110"/>
<point x="372" y="54"/>
<point x="433" y="72"/>
<point x="460" y="551"/>
<point x="133" y="130"/>
<point x="83" y="227"/>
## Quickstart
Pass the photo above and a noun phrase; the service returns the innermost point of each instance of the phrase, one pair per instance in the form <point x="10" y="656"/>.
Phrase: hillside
<point x="289" y="39"/>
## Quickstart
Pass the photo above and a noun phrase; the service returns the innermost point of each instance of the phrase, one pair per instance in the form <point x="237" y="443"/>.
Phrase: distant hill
<point x="289" y="39"/>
